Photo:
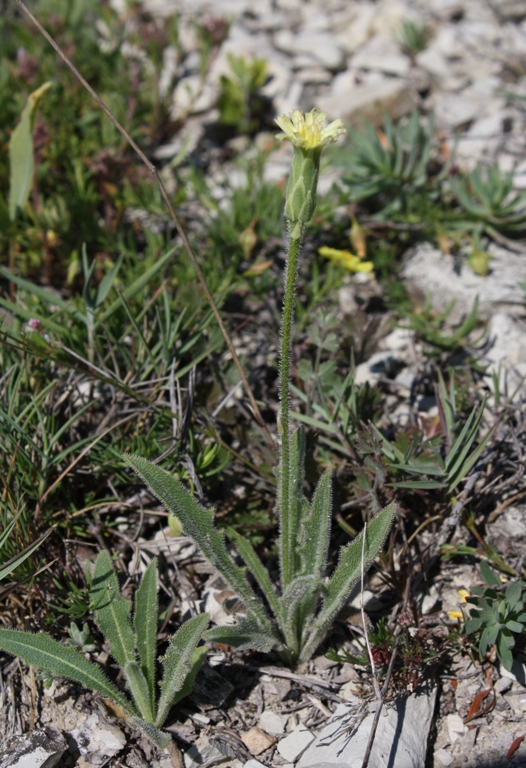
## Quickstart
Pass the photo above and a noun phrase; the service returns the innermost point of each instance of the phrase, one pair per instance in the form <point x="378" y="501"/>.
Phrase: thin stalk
<point x="288" y="522"/>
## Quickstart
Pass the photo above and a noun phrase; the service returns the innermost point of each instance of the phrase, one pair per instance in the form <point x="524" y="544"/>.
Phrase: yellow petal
<point x="306" y="129"/>
<point x="463" y="594"/>
<point x="454" y="615"/>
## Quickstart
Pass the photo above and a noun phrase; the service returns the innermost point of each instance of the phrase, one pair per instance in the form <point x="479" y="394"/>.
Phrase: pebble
<point x="272" y="722"/>
<point x="293" y="745"/>
<point x="257" y="740"/>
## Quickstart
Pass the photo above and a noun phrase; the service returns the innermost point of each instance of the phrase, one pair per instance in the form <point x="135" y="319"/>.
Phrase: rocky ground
<point x="346" y="58"/>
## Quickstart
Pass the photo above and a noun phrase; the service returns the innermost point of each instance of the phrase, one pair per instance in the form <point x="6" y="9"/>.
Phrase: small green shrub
<point x="499" y="617"/>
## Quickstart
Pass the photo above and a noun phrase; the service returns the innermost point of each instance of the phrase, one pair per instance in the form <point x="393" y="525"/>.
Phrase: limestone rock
<point x="400" y="742"/>
<point x="38" y="749"/>
<point x="430" y="272"/>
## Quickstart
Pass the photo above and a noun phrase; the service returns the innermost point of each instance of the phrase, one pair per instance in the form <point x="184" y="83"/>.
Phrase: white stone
<point x="400" y="742"/>
<point x="272" y="722"/>
<point x="382" y="54"/>
<point x="455" y="727"/>
<point x="253" y="763"/>
<point x="357" y="96"/>
<point x="98" y="739"/>
<point x="295" y="744"/>
<point x="482" y="138"/>
<point x="443" y="757"/>
<point x="430" y="272"/>
<point x="322" y="46"/>
<point x="38" y="749"/>
<point x="433" y="61"/>
<point x="353" y="32"/>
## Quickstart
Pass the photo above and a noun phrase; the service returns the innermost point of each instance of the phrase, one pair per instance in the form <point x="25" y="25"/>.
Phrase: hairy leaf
<point x="245" y="635"/>
<point x="315" y="530"/>
<point x="145" y="622"/>
<point x="111" y="611"/>
<point x="139" y="690"/>
<point x="198" y="524"/>
<point x="45" y="653"/>
<point x="178" y="663"/>
<point x="347" y="573"/>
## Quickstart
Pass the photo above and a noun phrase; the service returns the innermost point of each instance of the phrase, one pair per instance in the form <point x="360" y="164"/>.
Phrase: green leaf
<point x="297" y="607"/>
<point x="198" y="525"/>
<point x="159" y="738"/>
<point x="139" y="689"/>
<point x="112" y="612"/>
<point x="178" y="663"/>
<point x="18" y="559"/>
<point x="145" y="622"/>
<point x="45" y="653"/>
<point x="315" y="530"/>
<point x="21" y="159"/>
<point x="197" y="662"/>
<point x="489" y="576"/>
<point x="256" y="568"/>
<point x="347" y="574"/>
<point x="504" y="652"/>
<point x="246" y="634"/>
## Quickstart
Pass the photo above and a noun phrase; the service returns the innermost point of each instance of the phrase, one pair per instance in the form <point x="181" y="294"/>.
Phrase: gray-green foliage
<point x="295" y="621"/>
<point x="132" y="645"/>
<point x="500" y="617"/>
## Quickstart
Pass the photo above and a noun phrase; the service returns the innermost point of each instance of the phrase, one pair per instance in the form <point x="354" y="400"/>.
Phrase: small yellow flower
<point x="305" y="129"/>
<point x="346" y="259"/>
<point x="463" y="594"/>
<point x="455" y="615"/>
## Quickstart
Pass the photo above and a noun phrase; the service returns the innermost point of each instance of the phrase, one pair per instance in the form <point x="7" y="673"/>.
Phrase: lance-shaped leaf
<point x="159" y="738"/>
<point x="256" y="567"/>
<point x="315" y="530"/>
<point x="198" y="525"/>
<point x="139" y="690"/>
<point x="62" y="661"/>
<point x="21" y="154"/>
<point x="297" y="605"/>
<point x="112" y="612"/>
<point x="246" y="634"/>
<point x="347" y="573"/>
<point x="145" y="622"/>
<point x="178" y="663"/>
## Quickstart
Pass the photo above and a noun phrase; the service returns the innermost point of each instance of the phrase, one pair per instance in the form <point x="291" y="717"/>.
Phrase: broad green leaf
<point x="21" y="159"/>
<point x="198" y="525"/>
<point x="490" y="577"/>
<point x="178" y="663"/>
<point x="145" y="622"/>
<point x="112" y="612"/>
<point x="45" y="653"/>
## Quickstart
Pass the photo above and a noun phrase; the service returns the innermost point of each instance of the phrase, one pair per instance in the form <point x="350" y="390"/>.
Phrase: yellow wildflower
<point x="346" y="259"/>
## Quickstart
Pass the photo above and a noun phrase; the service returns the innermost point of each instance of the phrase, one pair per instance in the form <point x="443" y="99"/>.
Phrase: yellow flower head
<point x="347" y="259"/>
<point x="306" y="129"/>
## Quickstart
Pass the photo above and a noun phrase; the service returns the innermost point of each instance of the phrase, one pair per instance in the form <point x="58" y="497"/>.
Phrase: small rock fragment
<point x="257" y="740"/>
<point x="38" y="749"/>
<point x="455" y="727"/>
<point x="272" y="722"/>
<point x="293" y="745"/>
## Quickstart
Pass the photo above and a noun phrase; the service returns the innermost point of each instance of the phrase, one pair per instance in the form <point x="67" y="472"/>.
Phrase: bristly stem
<point x="287" y="519"/>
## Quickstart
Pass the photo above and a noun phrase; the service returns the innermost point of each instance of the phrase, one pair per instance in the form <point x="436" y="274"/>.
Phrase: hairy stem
<point x="288" y="538"/>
